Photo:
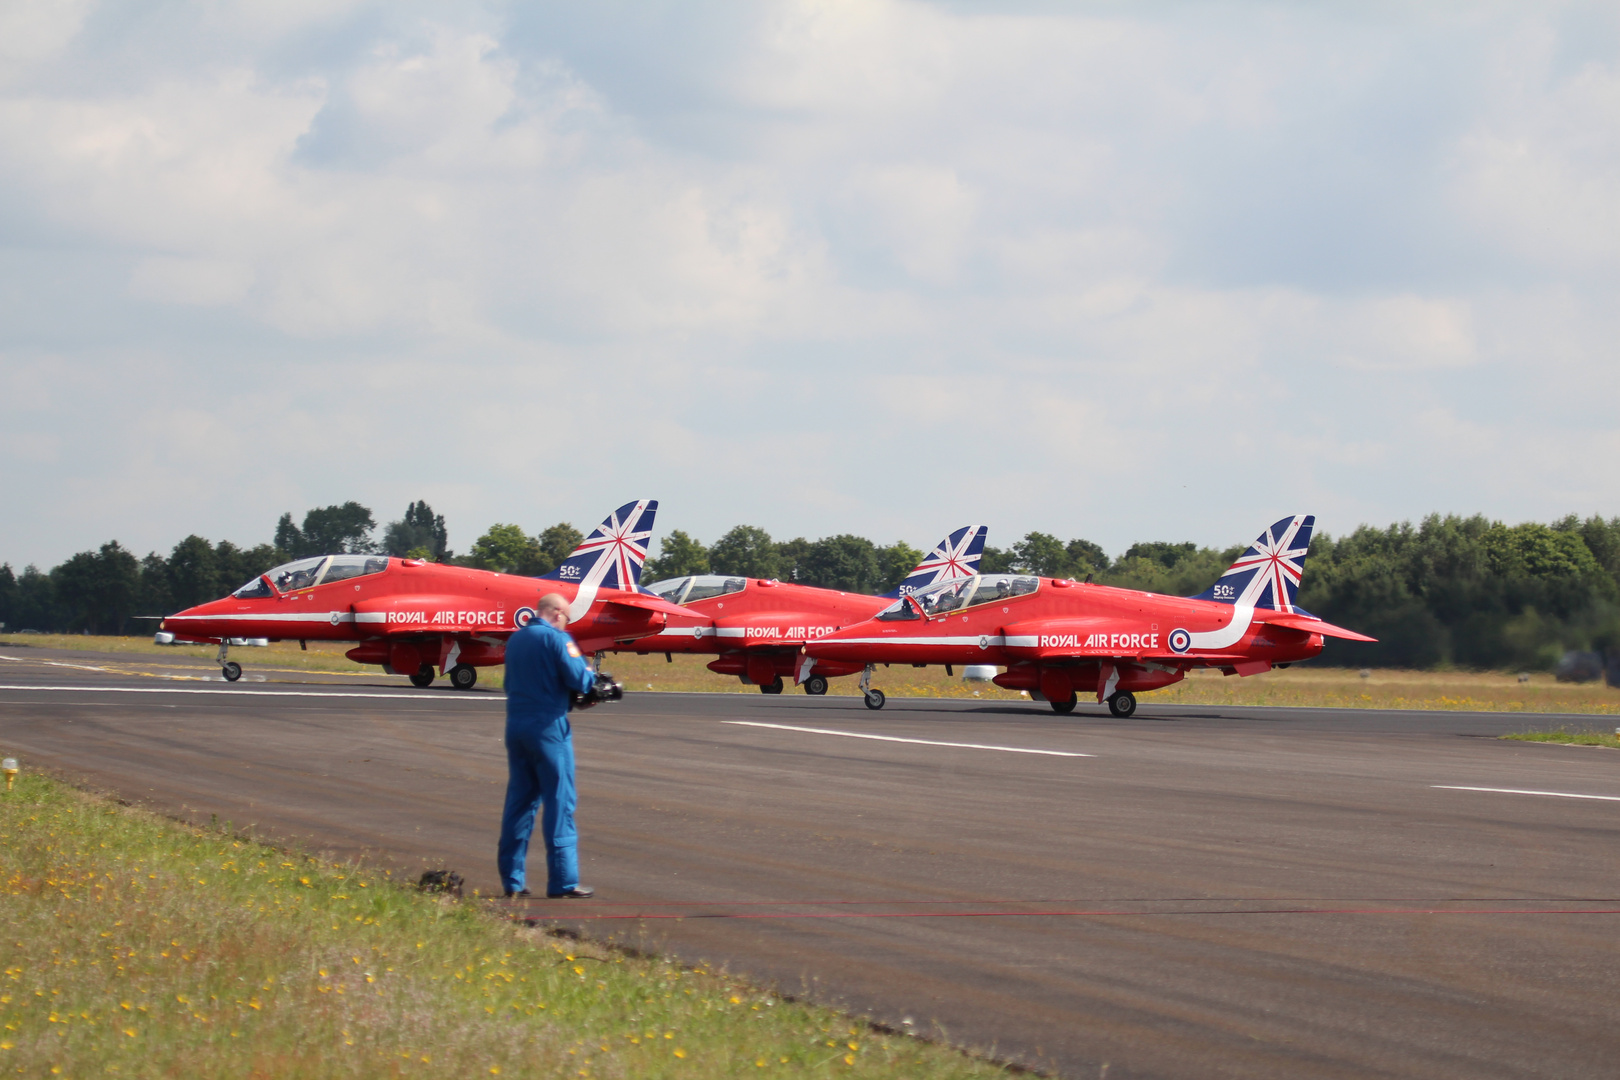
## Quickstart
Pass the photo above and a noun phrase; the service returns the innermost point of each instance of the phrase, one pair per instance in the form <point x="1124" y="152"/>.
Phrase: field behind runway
<point x="1199" y="891"/>
<point x="1303" y="686"/>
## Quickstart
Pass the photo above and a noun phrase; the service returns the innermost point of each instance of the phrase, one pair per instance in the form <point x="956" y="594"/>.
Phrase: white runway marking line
<point x="896" y="738"/>
<point x="1522" y="791"/>
<point x="402" y="695"/>
<point x="57" y="663"/>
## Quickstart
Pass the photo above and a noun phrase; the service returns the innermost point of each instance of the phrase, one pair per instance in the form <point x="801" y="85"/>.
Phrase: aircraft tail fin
<point x="1267" y="575"/>
<point x="612" y="556"/>
<point x="956" y="556"/>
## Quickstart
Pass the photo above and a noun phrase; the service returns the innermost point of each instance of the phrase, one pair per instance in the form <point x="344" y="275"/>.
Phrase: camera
<point x="606" y="688"/>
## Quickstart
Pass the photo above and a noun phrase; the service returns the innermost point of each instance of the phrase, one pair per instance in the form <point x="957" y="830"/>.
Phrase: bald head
<point x="553" y="608"/>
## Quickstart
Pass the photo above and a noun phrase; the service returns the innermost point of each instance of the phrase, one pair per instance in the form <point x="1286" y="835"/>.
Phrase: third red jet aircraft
<point x="1058" y="638"/>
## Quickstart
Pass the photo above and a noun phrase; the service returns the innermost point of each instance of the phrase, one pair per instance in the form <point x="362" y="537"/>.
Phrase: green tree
<point x="789" y="554"/>
<point x="419" y="530"/>
<point x="193" y="573"/>
<point x="507" y="549"/>
<point x="556" y="544"/>
<point x="96" y="589"/>
<point x="35" y="607"/>
<point x="746" y="551"/>
<point x="235" y="567"/>
<point x="895" y="564"/>
<point x="842" y="562"/>
<point x="290" y="538"/>
<point x="1086" y="558"/>
<point x="678" y="556"/>
<point x="1602" y="540"/>
<point x="1043" y="554"/>
<point x="8" y="597"/>
<point x="152" y="595"/>
<point x="996" y="561"/>
<point x="1361" y="582"/>
<point x="1165" y="554"/>
<point x="331" y="530"/>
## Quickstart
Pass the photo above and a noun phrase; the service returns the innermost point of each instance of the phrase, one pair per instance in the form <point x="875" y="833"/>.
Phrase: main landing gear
<point x="816" y="685"/>
<point x="228" y="668"/>
<point x="463" y="676"/>
<point x="772" y="687"/>
<point x="1064" y="708"/>
<point x="1122" y="704"/>
<point x="422" y="676"/>
<point x="874" y="698"/>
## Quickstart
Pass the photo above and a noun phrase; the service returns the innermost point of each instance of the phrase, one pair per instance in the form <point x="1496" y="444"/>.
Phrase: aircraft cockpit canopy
<point x="700" y="587"/>
<point x="946" y="596"/>
<point x="308" y="573"/>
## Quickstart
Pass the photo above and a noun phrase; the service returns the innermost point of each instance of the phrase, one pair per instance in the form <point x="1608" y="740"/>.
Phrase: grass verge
<point x="136" y="947"/>
<point x="1589" y="737"/>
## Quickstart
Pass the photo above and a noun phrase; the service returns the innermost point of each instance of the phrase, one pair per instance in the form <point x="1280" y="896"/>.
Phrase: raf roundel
<point x="1180" y="641"/>
<point x="523" y="616"/>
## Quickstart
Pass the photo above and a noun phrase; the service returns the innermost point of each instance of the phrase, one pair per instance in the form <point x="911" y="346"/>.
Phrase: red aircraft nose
<point x="203" y="622"/>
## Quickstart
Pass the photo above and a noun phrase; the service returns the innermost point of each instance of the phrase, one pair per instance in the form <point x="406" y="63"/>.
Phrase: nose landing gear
<point x="874" y="698"/>
<point x="228" y="668"/>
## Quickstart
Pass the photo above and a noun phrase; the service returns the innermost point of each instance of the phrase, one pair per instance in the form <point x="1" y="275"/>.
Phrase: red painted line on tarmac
<point x="1131" y="900"/>
<point x="1078" y="913"/>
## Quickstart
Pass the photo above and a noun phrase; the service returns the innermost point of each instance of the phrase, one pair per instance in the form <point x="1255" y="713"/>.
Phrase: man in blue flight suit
<point x="542" y="666"/>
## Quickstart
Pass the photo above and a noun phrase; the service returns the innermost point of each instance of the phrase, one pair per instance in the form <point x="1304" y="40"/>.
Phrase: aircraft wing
<point x="626" y="617"/>
<point x="1312" y="625"/>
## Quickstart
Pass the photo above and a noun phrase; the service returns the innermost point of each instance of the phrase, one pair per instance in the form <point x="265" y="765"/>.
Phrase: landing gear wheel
<point x="1063" y="708"/>
<point x="816" y="685"/>
<point x="772" y="687"/>
<point x="422" y="676"/>
<point x="231" y="670"/>
<point x="462" y="676"/>
<point x="875" y="699"/>
<point x="1122" y="704"/>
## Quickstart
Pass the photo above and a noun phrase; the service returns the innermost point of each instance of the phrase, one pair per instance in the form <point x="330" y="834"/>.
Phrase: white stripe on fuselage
<point x="988" y="640"/>
<point x="1230" y="634"/>
<point x="586" y="595"/>
<point x="286" y="617"/>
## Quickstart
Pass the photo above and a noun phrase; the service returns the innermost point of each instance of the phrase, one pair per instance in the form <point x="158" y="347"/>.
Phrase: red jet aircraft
<point x="758" y="626"/>
<point x="1057" y="637"/>
<point x="411" y="616"/>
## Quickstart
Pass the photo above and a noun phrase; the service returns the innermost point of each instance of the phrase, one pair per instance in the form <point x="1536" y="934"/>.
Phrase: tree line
<point x="1464" y="591"/>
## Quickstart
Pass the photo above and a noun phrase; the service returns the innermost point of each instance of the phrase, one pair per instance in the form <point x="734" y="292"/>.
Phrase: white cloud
<point x="844" y="267"/>
<point x="205" y="282"/>
<point x="32" y="30"/>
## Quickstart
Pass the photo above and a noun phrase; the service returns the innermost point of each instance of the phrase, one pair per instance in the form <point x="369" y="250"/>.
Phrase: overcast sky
<point x="1116" y="271"/>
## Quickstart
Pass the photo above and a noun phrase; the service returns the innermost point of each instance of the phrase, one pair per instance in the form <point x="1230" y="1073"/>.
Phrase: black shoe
<point x="521" y="894"/>
<point x="578" y="892"/>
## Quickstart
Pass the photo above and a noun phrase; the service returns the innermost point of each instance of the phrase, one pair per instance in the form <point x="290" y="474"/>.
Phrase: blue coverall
<point x="542" y="665"/>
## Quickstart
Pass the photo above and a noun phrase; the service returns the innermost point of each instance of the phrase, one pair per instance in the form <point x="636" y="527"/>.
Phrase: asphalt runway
<point x="1212" y="892"/>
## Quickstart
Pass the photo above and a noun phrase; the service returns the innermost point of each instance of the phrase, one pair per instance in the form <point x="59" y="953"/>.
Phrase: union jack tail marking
<point x="956" y="556"/>
<point x="1267" y="575"/>
<point x="612" y="556"/>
